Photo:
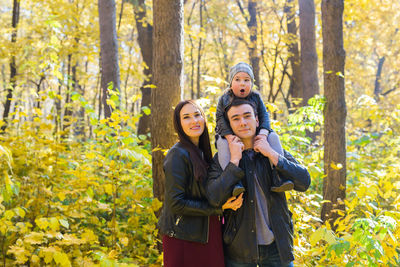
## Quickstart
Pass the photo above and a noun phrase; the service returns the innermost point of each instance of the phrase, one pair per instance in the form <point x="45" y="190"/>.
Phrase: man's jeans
<point x="268" y="256"/>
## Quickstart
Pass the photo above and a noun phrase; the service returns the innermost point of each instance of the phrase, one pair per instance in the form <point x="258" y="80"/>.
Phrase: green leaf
<point x="75" y="96"/>
<point x="64" y="223"/>
<point x="146" y="110"/>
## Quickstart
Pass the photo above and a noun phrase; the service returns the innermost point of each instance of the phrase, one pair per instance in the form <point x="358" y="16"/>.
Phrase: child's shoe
<point x="238" y="189"/>
<point x="278" y="185"/>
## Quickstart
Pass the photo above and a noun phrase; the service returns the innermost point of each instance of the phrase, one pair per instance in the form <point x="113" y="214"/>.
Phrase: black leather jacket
<point x="186" y="211"/>
<point x="226" y="99"/>
<point x="240" y="238"/>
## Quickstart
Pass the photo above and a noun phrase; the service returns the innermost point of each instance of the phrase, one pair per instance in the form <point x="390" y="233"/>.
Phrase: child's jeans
<point x="224" y="155"/>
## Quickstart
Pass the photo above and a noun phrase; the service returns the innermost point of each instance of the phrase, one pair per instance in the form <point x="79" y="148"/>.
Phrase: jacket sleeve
<point x="290" y="169"/>
<point x="177" y="176"/>
<point x="223" y="128"/>
<point x="263" y="115"/>
<point x="220" y="182"/>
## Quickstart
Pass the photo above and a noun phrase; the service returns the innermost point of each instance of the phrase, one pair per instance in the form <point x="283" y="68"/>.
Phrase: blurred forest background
<point x="86" y="96"/>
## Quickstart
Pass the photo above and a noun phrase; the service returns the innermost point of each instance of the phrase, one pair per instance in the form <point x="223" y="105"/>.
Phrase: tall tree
<point x="168" y="79"/>
<point x="13" y="66"/>
<point x="199" y="47"/>
<point x="334" y="186"/>
<point x="145" y="40"/>
<point x="378" y="89"/>
<point x="309" y="57"/>
<point x="296" y="84"/>
<point x="251" y="22"/>
<point x="108" y="51"/>
<point x="253" y="49"/>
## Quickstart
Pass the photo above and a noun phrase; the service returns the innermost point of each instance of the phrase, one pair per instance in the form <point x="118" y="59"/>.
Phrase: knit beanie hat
<point x="241" y="67"/>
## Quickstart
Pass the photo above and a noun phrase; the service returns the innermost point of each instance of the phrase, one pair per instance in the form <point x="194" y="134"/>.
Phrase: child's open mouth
<point x="242" y="90"/>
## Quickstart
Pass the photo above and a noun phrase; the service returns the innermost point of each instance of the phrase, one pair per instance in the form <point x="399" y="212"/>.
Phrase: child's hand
<point x="261" y="145"/>
<point x="229" y="138"/>
<point x="236" y="147"/>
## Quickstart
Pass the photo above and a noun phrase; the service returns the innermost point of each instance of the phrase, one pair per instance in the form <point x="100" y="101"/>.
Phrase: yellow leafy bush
<point x="67" y="203"/>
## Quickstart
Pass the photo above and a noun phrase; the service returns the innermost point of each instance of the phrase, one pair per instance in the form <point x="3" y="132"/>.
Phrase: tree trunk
<point x="67" y="118"/>
<point x="79" y="129"/>
<point x="309" y="57"/>
<point x="13" y="67"/>
<point x="296" y="86"/>
<point x="168" y="78"/>
<point x="334" y="186"/>
<point x="253" y="51"/>
<point x="199" y="50"/>
<point x="192" y="96"/>
<point x="378" y="89"/>
<point x="108" y="51"/>
<point x="145" y="40"/>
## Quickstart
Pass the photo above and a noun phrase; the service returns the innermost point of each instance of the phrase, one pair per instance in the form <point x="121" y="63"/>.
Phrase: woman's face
<point x="192" y="122"/>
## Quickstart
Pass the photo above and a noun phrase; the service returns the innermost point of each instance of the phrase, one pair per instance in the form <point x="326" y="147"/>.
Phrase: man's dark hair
<point x="240" y="101"/>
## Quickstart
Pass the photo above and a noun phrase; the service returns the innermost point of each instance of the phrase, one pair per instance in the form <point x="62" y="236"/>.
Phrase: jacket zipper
<point x="178" y="219"/>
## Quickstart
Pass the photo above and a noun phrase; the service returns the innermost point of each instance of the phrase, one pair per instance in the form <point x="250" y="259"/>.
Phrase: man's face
<point x="242" y="121"/>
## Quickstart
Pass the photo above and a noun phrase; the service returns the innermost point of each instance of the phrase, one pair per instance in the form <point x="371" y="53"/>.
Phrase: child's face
<point x="241" y="84"/>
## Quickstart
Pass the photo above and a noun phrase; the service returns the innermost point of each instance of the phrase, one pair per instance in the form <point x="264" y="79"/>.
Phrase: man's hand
<point x="236" y="147"/>
<point x="261" y="145"/>
<point x="233" y="203"/>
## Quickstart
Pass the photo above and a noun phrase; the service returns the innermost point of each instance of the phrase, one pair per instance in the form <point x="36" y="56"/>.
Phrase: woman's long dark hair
<point x="200" y="163"/>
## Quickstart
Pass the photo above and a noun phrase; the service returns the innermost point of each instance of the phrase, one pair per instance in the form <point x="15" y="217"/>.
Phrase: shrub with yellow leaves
<point x="67" y="203"/>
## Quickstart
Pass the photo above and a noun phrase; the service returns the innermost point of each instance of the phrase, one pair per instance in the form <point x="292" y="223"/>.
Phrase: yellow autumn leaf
<point x="89" y="236"/>
<point x="61" y="196"/>
<point x="135" y="98"/>
<point x="42" y="223"/>
<point x="61" y="258"/>
<point x="125" y="134"/>
<point x="124" y="241"/>
<point x="8" y="214"/>
<point x="113" y="254"/>
<point x="336" y="166"/>
<point x="70" y="239"/>
<point x="35" y="260"/>
<point x="90" y="155"/>
<point x="53" y="223"/>
<point x="20" y="253"/>
<point x="34" y="238"/>
<point x="108" y="189"/>
<point x="47" y="253"/>
<point x="212" y="109"/>
<point x="20" y="212"/>
<point x="38" y="111"/>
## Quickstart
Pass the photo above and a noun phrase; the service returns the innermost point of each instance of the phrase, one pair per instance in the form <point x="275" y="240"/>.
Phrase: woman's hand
<point x="233" y="203"/>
